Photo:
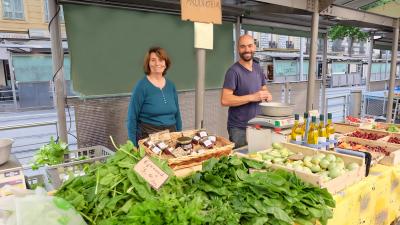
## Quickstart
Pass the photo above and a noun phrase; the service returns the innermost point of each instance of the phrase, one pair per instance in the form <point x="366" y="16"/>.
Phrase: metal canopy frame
<point x="303" y="15"/>
<point x="293" y="14"/>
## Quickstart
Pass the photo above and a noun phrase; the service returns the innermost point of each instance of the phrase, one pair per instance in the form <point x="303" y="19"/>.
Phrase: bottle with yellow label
<point x="296" y="134"/>
<point x="312" y="135"/>
<point x="330" y="130"/>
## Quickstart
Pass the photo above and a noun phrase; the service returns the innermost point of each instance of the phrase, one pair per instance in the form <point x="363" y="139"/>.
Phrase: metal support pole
<point x="301" y="59"/>
<point x="386" y="65"/>
<point x="57" y="53"/>
<point x="313" y="58"/>
<point x="238" y="28"/>
<point x="350" y="47"/>
<point x="201" y="75"/>
<point x="350" y="52"/>
<point x="369" y="66"/>
<point x="393" y="67"/>
<point x="324" y="71"/>
<point x="13" y="80"/>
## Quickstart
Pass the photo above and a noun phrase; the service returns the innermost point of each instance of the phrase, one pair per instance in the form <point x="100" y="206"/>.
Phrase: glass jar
<point x="185" y="143"/>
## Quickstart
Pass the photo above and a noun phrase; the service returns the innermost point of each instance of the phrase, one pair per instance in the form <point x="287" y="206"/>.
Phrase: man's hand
<point x="261" y="96"/>
<point x="269" y="97"/>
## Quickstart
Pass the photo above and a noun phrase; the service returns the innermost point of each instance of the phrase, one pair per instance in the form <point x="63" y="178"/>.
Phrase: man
<point x="244" y="88"/>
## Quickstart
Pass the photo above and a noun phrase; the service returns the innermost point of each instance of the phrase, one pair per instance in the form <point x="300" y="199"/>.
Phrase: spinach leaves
<point x="223" y="193"/>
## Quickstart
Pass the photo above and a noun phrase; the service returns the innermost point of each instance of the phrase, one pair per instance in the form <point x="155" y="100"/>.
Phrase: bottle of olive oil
<point x="330" y="130"/>
<point x="304" y="126"/>
<point x="312" y="135"/>
<point x="322" y="134"/>
<point x="296" y="134"/>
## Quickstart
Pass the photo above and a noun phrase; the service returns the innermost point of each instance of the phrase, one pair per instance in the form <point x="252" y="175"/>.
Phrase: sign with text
<point x="203" y="11"/>
<point x="151" y="172"/>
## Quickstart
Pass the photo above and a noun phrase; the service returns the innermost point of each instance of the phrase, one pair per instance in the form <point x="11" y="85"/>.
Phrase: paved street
<point x="28" y="140"/>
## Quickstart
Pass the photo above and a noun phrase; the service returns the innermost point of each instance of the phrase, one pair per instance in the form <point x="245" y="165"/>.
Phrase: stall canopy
<point x="281" y="17"/>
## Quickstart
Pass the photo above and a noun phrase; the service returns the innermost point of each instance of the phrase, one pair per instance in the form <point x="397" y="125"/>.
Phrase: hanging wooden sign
<point x="203" y="11"/>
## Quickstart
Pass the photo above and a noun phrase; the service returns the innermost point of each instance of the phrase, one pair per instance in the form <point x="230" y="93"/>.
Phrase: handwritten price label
<point x="151" y="173"/>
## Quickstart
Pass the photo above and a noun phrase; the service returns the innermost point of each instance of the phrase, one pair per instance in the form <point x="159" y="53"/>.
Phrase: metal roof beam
<point x="323" y="4"/>
<point x="344" y="13"/>
<point x="352" y="14"/>
<point x="358" y="3"/>
<point x="297" y="4"/>
<point x="279" y="25"/>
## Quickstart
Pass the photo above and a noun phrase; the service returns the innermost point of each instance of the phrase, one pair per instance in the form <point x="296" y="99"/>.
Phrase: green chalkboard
<point x="30" y="68"/>
<point x="107" y="46"/>
<point x="286" y="67"/>
<point x="289" y="67"/>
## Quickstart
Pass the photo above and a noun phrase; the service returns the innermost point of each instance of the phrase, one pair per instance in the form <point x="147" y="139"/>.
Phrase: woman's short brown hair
<point x="160" y="52"/>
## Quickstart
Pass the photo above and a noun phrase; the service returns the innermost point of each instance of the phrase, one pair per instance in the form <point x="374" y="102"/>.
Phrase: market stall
<point x="281" y="183"/>
<point x="108" y="187"/>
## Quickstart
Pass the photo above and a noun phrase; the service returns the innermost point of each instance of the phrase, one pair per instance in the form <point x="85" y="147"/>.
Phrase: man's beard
<point x="246" y="59"/>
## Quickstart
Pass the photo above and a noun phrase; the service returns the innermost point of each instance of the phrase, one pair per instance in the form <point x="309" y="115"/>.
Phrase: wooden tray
<point x="378" y="132"/>
<point x="386" y="139"/>
<point x="334" y="185"/>
<point x="390" y="160"/>
<point x="344" y="128"/>
<point x="222" y="147"/>
<point x="385" y="126"/>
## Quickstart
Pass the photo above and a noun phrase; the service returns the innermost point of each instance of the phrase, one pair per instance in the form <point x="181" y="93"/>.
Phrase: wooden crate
<point x="223" y="147"/>
<point x="390" y="160"/>
<point x="344" y="128"/>
<point x="386" y="139"/>
<point x="385" y="126"/>
<point x="334" y="185"/>
<point x="378" y="132"/>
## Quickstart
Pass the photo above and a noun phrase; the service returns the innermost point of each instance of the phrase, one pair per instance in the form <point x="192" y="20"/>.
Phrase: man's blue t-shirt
<point x="243" y="82"/>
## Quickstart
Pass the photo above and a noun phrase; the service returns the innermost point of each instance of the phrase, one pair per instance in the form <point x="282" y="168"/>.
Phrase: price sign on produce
<point x="151" y="173"/>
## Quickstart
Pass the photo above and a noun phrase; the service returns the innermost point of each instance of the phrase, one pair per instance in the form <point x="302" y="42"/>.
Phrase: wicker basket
<point x="58" y="173"/>
<point x="222" y="147"/>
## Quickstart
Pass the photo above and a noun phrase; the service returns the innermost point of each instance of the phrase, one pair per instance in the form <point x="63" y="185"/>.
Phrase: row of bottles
<point x="313" y="133"/>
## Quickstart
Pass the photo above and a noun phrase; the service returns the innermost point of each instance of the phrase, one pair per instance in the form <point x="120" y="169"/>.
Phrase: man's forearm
<point x="234" y="100"/>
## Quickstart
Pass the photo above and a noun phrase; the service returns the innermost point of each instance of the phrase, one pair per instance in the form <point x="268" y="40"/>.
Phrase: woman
<point x="154" y="103"/>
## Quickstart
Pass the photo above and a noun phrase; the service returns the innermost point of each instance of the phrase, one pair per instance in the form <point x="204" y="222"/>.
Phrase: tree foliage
<point x="341" y="31"/>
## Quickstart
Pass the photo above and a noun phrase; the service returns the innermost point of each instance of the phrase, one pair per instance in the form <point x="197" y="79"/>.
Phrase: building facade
<point x="25" y="59"/>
